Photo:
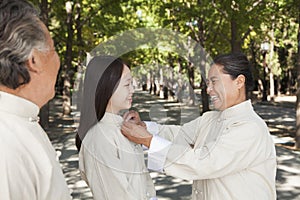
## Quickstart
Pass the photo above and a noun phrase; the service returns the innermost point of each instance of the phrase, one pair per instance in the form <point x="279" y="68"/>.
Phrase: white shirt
<point x="28" y="166"/>
<point x="229" y="155"/>
<point x="112" y="166"/>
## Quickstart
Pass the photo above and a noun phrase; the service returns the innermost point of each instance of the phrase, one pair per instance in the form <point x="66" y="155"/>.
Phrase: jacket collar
<point x="112" y="118"/>
<point x="18" y="106"/>
<point x="237" y="110"/>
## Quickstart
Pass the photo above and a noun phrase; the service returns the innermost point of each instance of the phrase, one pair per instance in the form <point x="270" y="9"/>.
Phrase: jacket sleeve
<point x="185" y="136"/>
<point x="240" y="146"/>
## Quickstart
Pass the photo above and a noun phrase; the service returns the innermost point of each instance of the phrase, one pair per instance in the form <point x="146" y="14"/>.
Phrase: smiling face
<point x="225" y="91"/>
<point x="122" y="96"/>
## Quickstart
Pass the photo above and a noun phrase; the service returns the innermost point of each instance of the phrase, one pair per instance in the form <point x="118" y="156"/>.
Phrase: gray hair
<point x="20" y="33"/>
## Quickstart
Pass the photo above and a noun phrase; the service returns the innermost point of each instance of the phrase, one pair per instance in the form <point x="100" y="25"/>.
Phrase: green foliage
<point x="218" y="25"/>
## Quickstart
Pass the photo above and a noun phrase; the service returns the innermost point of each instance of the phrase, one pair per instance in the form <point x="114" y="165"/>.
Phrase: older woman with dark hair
<point x="28" y="68"/>
<point x="112" y="166"/>
<point x="228" y="153"/>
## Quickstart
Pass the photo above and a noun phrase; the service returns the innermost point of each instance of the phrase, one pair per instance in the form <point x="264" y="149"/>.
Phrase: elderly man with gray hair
<point x="28" y="68"/>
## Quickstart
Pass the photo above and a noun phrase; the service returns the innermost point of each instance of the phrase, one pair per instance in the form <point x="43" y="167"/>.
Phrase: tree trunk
<point x="289" y="83"/>
<point x="297" y="136"/>
<point x="271" y="75"/>
<point x="79" y="23"/>
<point x="191" y="76"/>
<point x="272" y="86"/>
<point x="255" y="70"/>
<point x="201" y="36"/>
<point x="44" y="12"/>
<point x="68" y="64"/>
<point x="264" y="80"/>
<point x="235" y="42"/>
<point x="278" y="85"/>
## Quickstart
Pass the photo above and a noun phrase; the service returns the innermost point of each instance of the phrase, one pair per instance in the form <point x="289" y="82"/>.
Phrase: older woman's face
<point x="224" y="91"/>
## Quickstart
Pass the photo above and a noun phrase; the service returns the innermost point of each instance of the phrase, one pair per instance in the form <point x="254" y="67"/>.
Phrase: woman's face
<point x="224" y="91"/>
<point x="122" y="96"/>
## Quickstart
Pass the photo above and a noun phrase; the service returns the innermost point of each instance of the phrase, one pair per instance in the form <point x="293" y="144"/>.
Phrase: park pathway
<point x="280" y="117"/>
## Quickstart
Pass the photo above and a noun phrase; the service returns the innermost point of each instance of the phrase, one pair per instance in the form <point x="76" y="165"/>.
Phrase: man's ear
<point x="240" y="80"/>
<point x="32" y="63"/>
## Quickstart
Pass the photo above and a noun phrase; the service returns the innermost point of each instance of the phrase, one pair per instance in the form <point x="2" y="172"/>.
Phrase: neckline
<point x="236" y="110"/>
<point x="112" y="118"/>
<point x="18" y="106"/>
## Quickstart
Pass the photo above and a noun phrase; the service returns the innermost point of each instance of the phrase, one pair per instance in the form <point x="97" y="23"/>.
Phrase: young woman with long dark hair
<point x="112" y="166"/>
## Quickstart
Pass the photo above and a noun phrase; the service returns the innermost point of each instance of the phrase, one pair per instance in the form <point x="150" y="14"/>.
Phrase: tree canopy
<point x="78" y="26"/>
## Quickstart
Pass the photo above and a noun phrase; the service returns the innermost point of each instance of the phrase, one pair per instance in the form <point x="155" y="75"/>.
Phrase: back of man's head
<point x="20" y="33"/>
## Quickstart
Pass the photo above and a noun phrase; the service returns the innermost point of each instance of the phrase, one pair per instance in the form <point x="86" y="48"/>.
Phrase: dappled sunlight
<point x="288" y="174"/>
<point x="287" y="119"/>
<point x="69" y="161"/>
<point x="168" y="187"/>
<point x="62" y="134"/>
<point x="281" y="122"/>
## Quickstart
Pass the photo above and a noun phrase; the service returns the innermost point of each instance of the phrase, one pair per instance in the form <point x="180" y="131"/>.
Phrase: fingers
<point x="135" y="130"/>
<point x="136" y="133"/>
<point x="125" y="131"/>
<point x="125" y="116"/>
<point x="131" y="115"/>
<point x="131" y="129"/>
<point x="128" y="125"/>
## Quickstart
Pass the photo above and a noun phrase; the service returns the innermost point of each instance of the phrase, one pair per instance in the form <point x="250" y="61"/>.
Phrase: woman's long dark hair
<point x="102" y="78"/>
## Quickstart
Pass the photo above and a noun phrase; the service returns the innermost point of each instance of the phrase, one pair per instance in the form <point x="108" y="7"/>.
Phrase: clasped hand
<point x="134" y="129"/>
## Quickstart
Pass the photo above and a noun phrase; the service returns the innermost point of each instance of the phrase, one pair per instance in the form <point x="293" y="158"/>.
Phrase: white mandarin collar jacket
<point x="114" y="167"/>
<point x="229" y="155"/>
<point x="29" y="167"/>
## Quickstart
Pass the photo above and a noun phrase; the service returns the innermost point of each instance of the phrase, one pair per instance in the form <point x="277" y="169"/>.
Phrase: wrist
<point x="148" y="141"/>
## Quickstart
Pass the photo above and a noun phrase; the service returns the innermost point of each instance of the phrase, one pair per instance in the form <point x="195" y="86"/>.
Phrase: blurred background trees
<point x="266" y="31"/>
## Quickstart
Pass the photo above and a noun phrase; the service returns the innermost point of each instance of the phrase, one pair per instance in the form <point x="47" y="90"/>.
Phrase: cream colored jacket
<point x="229" y="155"/>
<point x="113" y="167"/>
<point x="29" y="168"/>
